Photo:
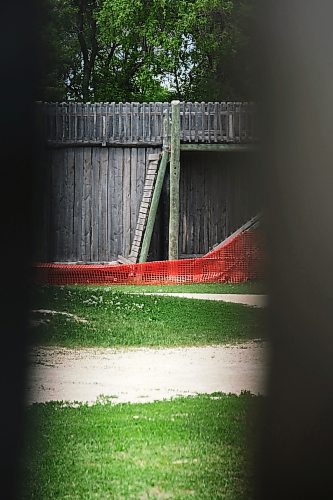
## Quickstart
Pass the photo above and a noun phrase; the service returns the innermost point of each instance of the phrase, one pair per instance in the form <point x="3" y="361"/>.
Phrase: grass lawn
<point x="193" y="447"/>
<point x="248" y="287"/>
<point x="110" y="317"/>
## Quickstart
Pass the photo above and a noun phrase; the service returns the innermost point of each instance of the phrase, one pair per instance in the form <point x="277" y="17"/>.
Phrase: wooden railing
<point x="142" y="123"/>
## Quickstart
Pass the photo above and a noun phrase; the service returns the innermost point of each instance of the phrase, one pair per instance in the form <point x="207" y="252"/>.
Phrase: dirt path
<point x="254" y="300"/>
<point x="141" y="375"/>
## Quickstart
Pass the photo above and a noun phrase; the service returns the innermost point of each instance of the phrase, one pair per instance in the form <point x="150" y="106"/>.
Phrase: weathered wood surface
<point x="219" y="148"/>
<point x="174" y="181"/>
<point x="157" y="207"/>
<point x="218" y="193"/>
<point x="80" y="222"/>
<point x="142" y="123"/>
<point x="144" y="208"/>
<point x="91" y="203"/>
<point x="94" y="187"/>
<point x="154" y="200"/>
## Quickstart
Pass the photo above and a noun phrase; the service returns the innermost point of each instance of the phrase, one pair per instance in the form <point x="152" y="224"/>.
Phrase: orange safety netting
<point x="240" y="258"/>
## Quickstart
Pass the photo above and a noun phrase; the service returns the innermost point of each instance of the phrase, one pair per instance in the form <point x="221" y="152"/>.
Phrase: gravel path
<point x="142" y="375"/>
<point x="246" y="299"/>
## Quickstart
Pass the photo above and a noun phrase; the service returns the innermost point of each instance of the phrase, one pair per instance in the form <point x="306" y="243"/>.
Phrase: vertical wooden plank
<point x="183" y="131"/>
<point x="95" y="205"/>
<point x="205" y="214"/>
<point x="216" y="112"/>
<point x="61" y="205"/>
<point x="143" y="117"/>
<point x="159" y="136"/>
<point x="153" y="121"/>
<point x="197" y="207"/>
<point x="187" y="191"/>
<point x="230" y="121"/>
<point x="57" y="162"/>
<point x="219" y="111"/>
<point x="140" y="176"/>
<point x="184" y="197"/>
<point x="70" y="256"/>
<point x="190" y="121"/>
<point x="115" y="123"/>
<point x="202" y="171"/>
<point x="78" y="121"/>
<point x="183" y="206"/>
<point x="131" y="116"/>
<point x="98" y="109"/>
<point x="56" y="121"/>
<point x="101" y="110"/>
<point x="118" y="200"/>
<point x="95" y="109"/>
<point x="63" y="208"/>
<point x="159" y="125"/>
<point x="195" y="121"/>
<point x="83" y="123"/>
<point x="75" y="118"/>
<point x="136" y="122"/>
<point x="78" y="192"/>
<point x="111" y="112"/>
<point x="107" y="125"/>
<point x="240" y="112"/>
<point x="208" y="121"/>
<point x="62" y="110"/>
<point x="126" y="121"/>
<point x="86" y="121"/>
<point x="104" y="126"/>
<point x="203" y="121"/>
<point x="86" y="205"/>
<point x="69" y="117"/>
<point x="47" y="197"/>
<point x="103" y="208"/>
<point x="174" y="181"/>
<point x="191" y="204"/>
<point x="194" y="208"/>
<point x="244" y="121"/>
<point x="52" y="229"/>
<point x="112" y="206"/>
<point x="134" y="194"/>
<point x="121" y="124"/>
<point x="149" y="121"/>
<point x="129" y="121"/>
<point x="90" y="122"/>
<point x="126" y="203"/>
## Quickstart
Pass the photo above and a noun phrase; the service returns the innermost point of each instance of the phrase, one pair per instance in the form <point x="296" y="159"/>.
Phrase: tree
<point x="116" y="50"/>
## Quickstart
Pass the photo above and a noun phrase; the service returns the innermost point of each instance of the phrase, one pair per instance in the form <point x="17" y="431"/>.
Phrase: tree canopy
<point x="146" y="50"/>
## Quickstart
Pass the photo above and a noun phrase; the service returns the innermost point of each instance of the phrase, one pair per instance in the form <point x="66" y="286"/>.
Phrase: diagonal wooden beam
<point x="153" y="207"/>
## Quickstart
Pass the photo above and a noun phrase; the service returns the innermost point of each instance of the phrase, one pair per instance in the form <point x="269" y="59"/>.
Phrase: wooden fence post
<point x="174" y="180"/>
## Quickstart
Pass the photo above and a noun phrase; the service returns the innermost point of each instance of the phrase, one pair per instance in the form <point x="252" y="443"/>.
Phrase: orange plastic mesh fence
<point x="241" y="258"/>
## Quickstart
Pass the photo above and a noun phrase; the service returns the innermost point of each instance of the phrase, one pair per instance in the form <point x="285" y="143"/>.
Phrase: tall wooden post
<point x="174" y="180"/>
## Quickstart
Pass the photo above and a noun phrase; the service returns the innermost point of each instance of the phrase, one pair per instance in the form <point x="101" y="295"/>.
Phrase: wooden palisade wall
<point x="94" y="166"/>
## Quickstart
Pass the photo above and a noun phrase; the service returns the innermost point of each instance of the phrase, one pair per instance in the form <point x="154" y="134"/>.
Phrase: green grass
<point x="117" y="319"/>
<point x="192" y="447"/>
<point x="248" y="287"/>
